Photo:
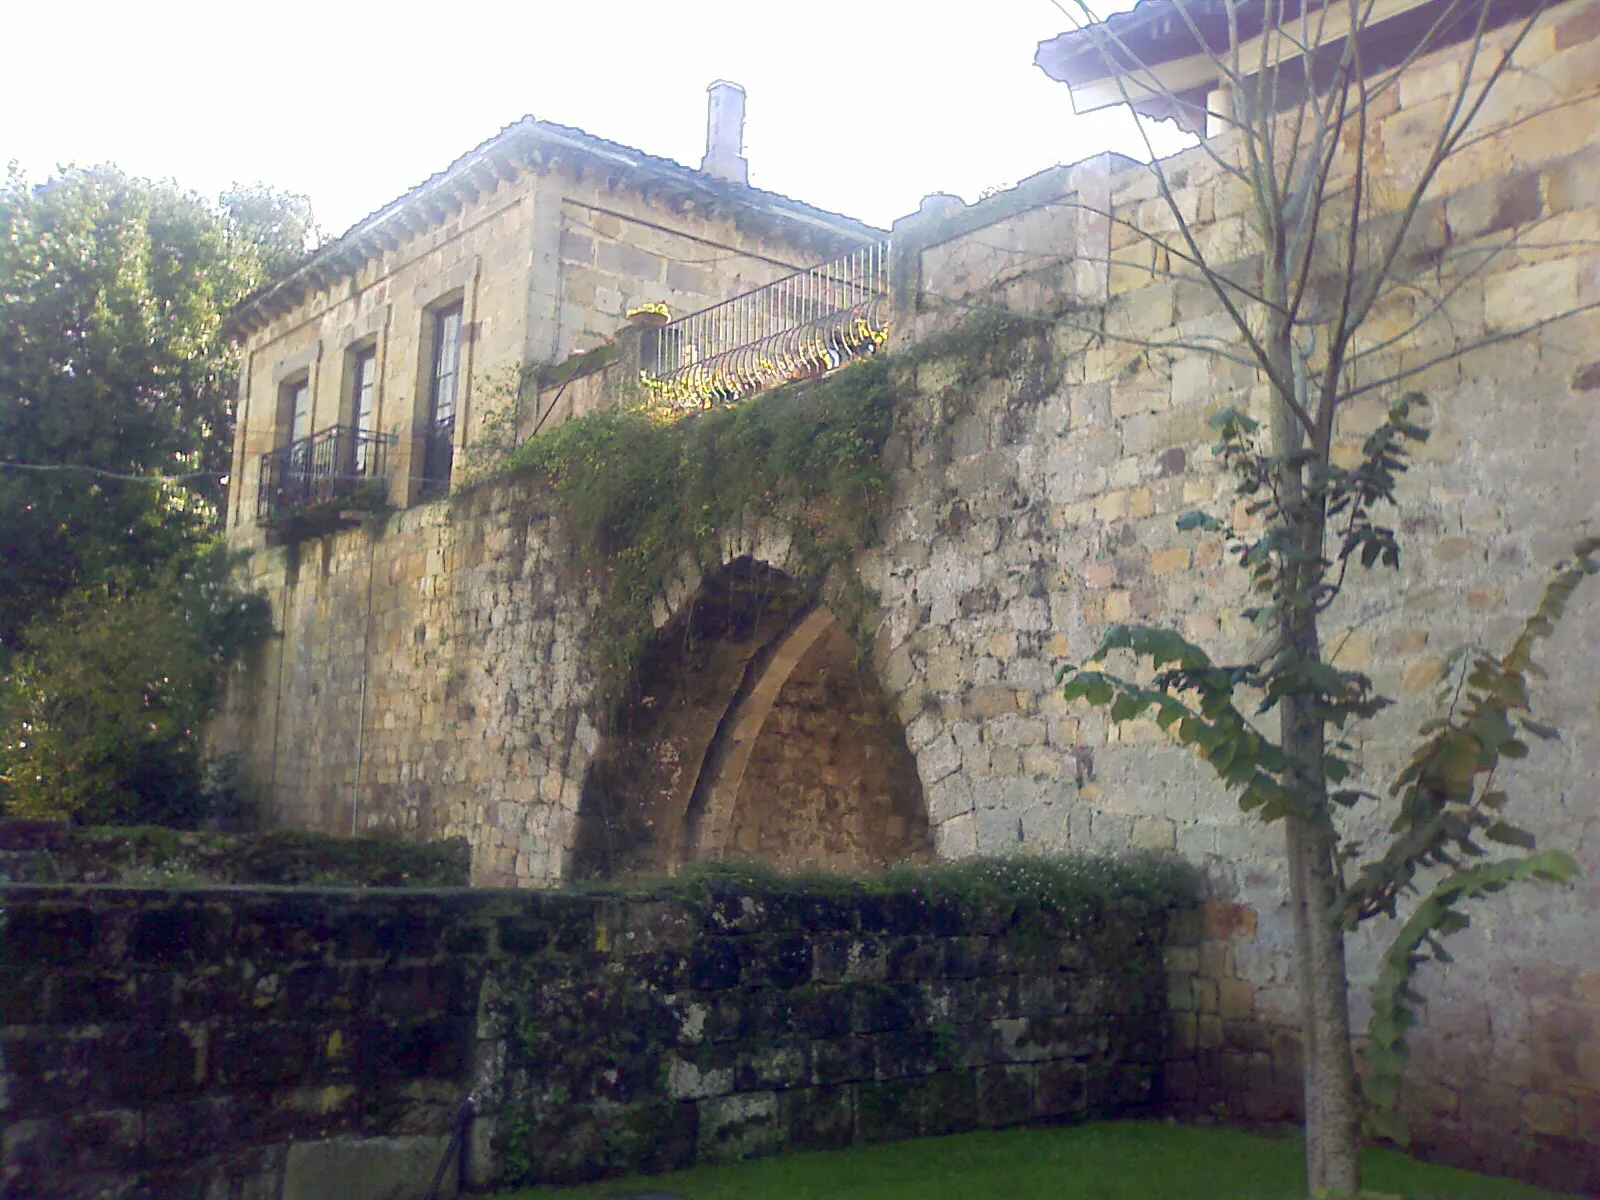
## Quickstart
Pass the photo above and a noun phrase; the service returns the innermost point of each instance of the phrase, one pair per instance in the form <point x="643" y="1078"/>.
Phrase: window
<point x="363" y="411"/>
<point x="444" y="380"/>
<point x="288" y="478"/>
<point x="297" y="406"/>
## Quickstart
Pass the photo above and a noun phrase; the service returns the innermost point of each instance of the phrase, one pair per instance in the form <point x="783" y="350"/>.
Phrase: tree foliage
<point x="101" y="711"/>
<point x="278" y="226"/>
<point x="647" y="492"/>
<point x="116" y="429"/>
<point x="115" y="382"/>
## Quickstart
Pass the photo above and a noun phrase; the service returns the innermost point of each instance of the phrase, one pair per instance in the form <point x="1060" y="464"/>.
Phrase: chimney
<point x="725" y="134"/>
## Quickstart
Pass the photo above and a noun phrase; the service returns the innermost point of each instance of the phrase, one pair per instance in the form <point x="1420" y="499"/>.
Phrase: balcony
<point x="799" y="326"/>
<point x="323" y="479"/>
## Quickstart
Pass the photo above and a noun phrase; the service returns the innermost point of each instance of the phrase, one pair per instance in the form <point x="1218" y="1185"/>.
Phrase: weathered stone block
<point x="738" y="1127"/>
<point x="819" y="1118"/>
<point x="781" y="962"/>
<point x="44" y="934"/>
<point x="715" y="964"/>
<point x="876" y="1008"/>
<point x="365" y="1169"/>
<point x="707" y="1075"/>
<point x="942" y="1103"/>
<point x="777" y="1067"/>
<point x="1005" y="1095"/>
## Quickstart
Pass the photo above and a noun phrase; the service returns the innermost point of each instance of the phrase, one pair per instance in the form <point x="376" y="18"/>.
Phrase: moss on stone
<point x="151" y="855"/>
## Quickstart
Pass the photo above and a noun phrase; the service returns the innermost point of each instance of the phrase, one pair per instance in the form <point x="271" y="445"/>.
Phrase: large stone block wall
<point x="1037" y="480"/>
<point x="233" y="1042"/>
<point x="618" y="252"/>
<point x="298" y="1044"/>
<point x="430" y="681"/>
<point x="1045" y="513"/>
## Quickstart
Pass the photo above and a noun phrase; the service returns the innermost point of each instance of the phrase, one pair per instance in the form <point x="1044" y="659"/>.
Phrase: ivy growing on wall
<point x="641" y="489"/>
<point x="645" y="490"/>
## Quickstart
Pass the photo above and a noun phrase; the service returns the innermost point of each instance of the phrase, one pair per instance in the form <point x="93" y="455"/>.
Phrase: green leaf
<point x="1195" y="519"/>
<point x="1509" y="835"/>
<point x="1126" y="707"/>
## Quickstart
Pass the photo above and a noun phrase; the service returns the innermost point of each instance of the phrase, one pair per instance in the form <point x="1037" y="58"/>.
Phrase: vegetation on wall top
<point x="158" y="856"/>
<point x="1009" y="893"/>
<point x="641" y="488"/>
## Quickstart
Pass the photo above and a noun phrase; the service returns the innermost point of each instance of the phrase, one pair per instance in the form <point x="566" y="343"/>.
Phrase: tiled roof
<point x="1154" y="32"/>
<point x="542" y="143"/>
<point x="1149" y="33"/>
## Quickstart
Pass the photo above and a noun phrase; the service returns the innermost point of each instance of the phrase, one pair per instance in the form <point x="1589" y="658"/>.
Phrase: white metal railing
<point x="795" y="327"/>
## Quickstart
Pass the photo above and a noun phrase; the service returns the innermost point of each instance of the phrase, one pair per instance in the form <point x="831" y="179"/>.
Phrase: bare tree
<point x="1339" y="236"/>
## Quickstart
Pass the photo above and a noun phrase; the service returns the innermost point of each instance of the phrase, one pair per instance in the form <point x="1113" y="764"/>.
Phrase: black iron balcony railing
<point x="438" y="456"/>
<point x="798" y="326"/>
<point x="338" y="463"/>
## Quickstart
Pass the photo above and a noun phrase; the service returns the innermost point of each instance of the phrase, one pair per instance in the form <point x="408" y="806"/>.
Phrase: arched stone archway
<point x="755" y="732"/>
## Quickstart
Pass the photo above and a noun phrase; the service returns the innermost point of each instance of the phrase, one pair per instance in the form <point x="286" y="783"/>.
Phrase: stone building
<point x="432" y="677"/>
<point x="370" y="374"/>
<point x="384" y="355"/>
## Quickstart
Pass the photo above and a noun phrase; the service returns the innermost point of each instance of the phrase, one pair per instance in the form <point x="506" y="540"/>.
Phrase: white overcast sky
<point x="861" y="106"/>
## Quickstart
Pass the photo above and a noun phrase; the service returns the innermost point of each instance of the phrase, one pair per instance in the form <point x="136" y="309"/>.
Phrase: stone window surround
<point x="288" y="389"/>
<point x="368" y="332"/>
<point x="286" y="375"/>
<point x="354" y="351"/>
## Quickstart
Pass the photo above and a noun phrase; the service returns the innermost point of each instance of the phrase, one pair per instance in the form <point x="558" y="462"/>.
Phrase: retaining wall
<point x="303" y="1044"/>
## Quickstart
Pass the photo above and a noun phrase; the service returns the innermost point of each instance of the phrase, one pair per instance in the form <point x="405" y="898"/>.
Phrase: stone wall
<point x="302" y="1044"/>
<point x="1035" y="507"/>
<point x="838" y="760"/>
<point x="231" y="1042"/>
<point x="1039" y="469"/>
<point x="1044" y="512"/>
<point x="430" y="682"/>
<point x="617" y="254"/>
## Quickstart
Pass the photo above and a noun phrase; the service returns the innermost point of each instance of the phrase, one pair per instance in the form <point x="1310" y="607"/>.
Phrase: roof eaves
<point x="498" y="157"/>
<point x="1153" y="32"/>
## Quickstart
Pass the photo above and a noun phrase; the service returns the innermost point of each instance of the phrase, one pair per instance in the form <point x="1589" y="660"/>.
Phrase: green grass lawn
<point x="1123" y="1160"/>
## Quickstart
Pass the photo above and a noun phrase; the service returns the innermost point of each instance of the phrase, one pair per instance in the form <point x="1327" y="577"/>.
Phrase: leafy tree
<point x="1450" y="805"/>
<point x="116" y="427"/>
<point x="278" y="224"/>
<point x="1339" y="271"/>
<point x="101" y="711"/>
<point x="115" y="384"/>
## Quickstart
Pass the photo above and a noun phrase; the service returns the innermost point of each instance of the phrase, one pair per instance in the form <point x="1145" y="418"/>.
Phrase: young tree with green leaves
<point x="1340" y="237"/>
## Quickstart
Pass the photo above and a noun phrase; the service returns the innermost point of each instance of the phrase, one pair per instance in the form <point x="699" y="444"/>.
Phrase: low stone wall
<point x="171" y="1044"/>
<point x="300" y="1045"/>
<point x="149" y="855"/>
<point x="656" y="1034"/>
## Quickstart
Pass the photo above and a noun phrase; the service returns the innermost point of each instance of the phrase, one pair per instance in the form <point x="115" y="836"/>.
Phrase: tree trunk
<point x="1333" y="1162"/>
<point x="1332" y="1117"/>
